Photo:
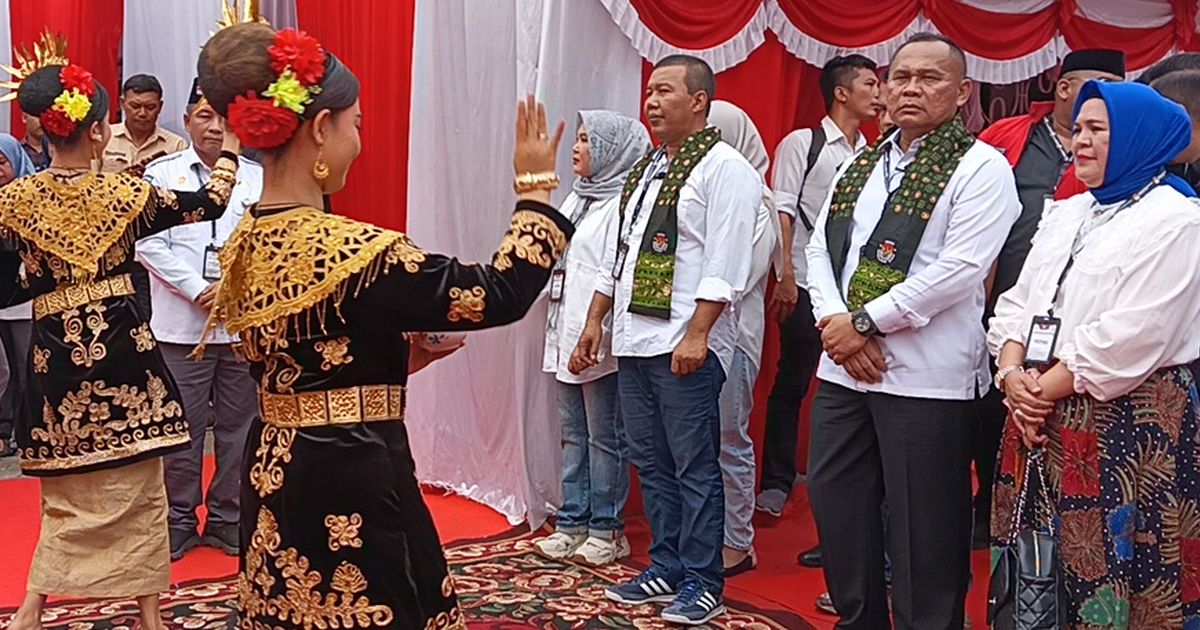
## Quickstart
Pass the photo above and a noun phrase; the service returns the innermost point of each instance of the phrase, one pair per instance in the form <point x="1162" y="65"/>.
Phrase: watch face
<point x="861" y="324"/>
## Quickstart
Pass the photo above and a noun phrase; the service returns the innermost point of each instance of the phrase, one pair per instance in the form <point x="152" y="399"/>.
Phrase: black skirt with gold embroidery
<point x="335" y="532"/>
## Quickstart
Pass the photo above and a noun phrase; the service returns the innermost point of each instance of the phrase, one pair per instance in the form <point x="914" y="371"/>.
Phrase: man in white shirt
<point x="217" y="390"/>
<point x="684" y="238"/>
<point x="851" y="92"/>
<point x="896" y="270"/>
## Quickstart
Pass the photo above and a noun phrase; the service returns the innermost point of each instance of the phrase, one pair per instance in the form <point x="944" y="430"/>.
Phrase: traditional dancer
<point x="100" y="407"/>
<point x="334" y="529"/>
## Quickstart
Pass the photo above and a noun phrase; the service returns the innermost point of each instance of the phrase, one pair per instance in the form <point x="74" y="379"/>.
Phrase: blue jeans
<point x="737" y="452"/>
<point x="674" y="430"/>
<point x="595" y="459"/>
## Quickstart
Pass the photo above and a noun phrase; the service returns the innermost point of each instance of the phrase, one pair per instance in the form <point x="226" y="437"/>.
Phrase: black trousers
<point x="916" y="452"/>
<point x="799" y="351"/>
<point x="989" y="429"/>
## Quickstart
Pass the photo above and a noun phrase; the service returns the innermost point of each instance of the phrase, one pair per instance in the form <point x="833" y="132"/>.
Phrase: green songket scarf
<point x="885" y="260"/>
<point x="654" y="272"/>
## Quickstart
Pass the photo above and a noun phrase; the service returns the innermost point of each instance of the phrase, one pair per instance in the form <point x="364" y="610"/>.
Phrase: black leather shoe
<point x="810" y="558"/>
<point x="223" y="537"/>
<point x="182" y="540"/>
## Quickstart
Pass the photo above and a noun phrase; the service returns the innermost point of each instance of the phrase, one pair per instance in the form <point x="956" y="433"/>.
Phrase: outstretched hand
<point x="536" y="151"/>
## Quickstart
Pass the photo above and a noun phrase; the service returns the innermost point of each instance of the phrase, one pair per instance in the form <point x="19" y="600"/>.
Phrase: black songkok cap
<point x="1099" y="60"/>
<point x="195" y="95"/>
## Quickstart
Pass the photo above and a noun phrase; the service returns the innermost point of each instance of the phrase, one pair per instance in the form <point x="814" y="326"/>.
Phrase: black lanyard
<point x="659" y="173"/>
<point x="1077" y="243"/>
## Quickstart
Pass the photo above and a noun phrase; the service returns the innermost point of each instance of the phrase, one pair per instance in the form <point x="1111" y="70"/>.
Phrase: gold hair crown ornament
<point x="50" y="50"/>
<point x="239" y="12"/>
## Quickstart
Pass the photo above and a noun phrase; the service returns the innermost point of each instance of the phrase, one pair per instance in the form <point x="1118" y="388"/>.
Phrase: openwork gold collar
<point x="279" y="266"/>
<point x="79" y="220"/>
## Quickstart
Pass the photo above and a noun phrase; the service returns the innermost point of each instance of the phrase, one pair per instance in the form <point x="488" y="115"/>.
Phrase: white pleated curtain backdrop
<point x="484" y="422"/>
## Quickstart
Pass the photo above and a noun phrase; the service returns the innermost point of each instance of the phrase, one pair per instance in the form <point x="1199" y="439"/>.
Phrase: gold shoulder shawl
<point x="277" y="268"/>
<point x="79" y="221"/>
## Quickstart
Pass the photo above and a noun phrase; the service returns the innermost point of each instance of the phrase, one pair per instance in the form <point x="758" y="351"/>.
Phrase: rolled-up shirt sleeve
<point x="735" y="191"/>
<point x="787" y="180"/>
<point x="984" y="209"/>
<point x="1156" y="295"/>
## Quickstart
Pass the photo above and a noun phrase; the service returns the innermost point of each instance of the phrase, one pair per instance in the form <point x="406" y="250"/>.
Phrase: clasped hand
<point x="859" y="355"/>
<point x="1029" y="410"/>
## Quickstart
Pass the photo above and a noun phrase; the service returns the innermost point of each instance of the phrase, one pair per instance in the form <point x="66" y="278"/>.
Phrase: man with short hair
<point x="216" y="389"/>
<point x="1183" y="87"/>
<point x="896" y="269"/>
<point x="685" y="233"/>
<point x="36" y="146"/>
<point x="1037" y="146"/>
<point x="851" y="92"/>
<point x="138" y="139"/>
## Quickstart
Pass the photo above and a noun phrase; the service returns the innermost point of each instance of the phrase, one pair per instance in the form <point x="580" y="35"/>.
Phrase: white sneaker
<point x="560" y="545"/>
<point x="598" y="552"/>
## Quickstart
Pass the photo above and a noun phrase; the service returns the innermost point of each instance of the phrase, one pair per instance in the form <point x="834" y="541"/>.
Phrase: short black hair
<point x="141" y="84"/>
<point x="1174" y="63"/>
<point x="920" y="38"/>
<point x="698" y="77"/>
<point x="1183" y="87"/>
<point x="840" y="72"/>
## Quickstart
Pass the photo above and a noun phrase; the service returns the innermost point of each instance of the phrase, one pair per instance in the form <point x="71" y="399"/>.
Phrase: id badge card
<point x="558" y="279"/>
<point x="212" y="263"/>
<point x="1043" y="336"/>
<point x="619" y="265"/>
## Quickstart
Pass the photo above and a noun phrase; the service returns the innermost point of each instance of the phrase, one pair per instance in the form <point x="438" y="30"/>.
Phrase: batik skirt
<point x="1124" y="480"/>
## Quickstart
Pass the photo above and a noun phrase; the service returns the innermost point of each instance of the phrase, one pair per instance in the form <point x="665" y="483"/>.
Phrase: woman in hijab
<point x="737" y="395"/>
<point x="595" y="462"/>
<point x="1093" y="344"/>
<point x="16" y="322"/>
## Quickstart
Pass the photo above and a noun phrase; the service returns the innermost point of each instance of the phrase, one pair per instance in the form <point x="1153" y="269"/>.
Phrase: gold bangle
<point x="529" y="182"/>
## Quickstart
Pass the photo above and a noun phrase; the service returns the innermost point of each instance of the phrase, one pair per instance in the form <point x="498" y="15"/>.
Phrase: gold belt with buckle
<point x="348" y="405"/>
<point x="71" y="296"/>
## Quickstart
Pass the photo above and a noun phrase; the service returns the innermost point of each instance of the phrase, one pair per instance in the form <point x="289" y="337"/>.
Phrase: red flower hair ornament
<point x="268" y="120"/>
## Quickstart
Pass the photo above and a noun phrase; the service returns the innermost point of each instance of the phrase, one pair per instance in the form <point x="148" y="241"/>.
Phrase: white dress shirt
<point x="175" y="257"/>
<point x="933" y="320"/>
<point x="716" y="214"/>
<point x="750" y="310"/>
<point x="1130" y="303"/>
<point x="595" y="231"/>
<point x="791" y="160"/>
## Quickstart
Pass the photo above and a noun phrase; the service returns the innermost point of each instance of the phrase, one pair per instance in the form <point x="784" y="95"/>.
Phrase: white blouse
<point x="1129" y="306"/>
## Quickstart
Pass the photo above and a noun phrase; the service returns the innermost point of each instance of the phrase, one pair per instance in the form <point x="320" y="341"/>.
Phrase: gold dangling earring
<point x="320" y="169"/>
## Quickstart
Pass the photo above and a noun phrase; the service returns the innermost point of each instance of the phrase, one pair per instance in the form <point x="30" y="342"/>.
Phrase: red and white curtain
<point x="440" y="82"/>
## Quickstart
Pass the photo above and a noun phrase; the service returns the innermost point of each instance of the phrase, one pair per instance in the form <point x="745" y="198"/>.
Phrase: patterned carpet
<point x="501" y="582"/>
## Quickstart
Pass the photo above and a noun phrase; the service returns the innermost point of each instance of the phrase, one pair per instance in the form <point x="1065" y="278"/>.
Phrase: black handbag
<point x="1026" y="590"/>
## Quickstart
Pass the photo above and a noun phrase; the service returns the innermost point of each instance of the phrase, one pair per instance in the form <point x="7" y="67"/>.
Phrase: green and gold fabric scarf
<point x="884" y="261"/>
<point x="654" y="272"/>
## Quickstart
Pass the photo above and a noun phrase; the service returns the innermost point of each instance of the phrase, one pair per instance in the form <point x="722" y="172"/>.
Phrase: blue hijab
<point x="1146" y="132"/>
<point x="12" y="149"/>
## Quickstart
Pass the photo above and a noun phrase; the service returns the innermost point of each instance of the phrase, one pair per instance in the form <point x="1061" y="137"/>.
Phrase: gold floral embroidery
<point x="405" y="251"/>
<point x="220" y="184"/>
<point x="167" y="198"/>
<point x="343" y="531"/>
<point x="450" y="620"/>
<point x="527" y="237"/>
<point x="59" y="268"/>
<point x="78" y="220"/>
<point x="87" y="429"/>
<point x="281" y="373"/>
<point x="41" y="360"/>
<point x="467" y="304"/>
<point x="447" y="586"/>
<point x="302" y="602"/>
<point x="335" y="352"/>
<point x="95" y="351"/>
<point x="143" y="338"/>
<point x="33" y="262"/>
<point x="195" y="216"/>
<point x="274" y="450"/>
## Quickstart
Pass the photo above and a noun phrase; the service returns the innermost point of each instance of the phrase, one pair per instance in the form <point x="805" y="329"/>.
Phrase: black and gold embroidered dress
<point x="99" y="395"/>
<point x="335" y="533"/>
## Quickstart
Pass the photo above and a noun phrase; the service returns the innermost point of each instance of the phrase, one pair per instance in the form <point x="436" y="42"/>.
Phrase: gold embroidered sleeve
<point x="422" y="291"/>
<point x="169" y="208"/>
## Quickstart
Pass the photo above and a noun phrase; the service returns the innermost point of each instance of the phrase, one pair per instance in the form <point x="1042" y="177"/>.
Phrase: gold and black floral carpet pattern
<point x="502" y="584"/>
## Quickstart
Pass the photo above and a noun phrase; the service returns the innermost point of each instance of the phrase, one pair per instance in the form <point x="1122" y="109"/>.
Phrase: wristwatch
<point x="863" y="324"/>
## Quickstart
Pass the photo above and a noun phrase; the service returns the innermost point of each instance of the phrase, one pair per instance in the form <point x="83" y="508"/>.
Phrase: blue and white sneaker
<point x="648" y="587"/>
<point x="695" y="605"/>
